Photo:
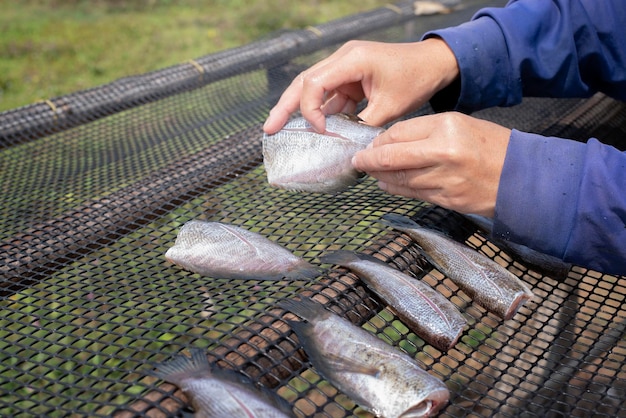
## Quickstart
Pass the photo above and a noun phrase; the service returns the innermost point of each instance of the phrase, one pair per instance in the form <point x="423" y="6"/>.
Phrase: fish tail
<point x="397" y="221"/>
<point x="306" y="308"/>
<point x="345" y="258"/>
<point x="340" y="257"/>
<point x="182" y="367"/>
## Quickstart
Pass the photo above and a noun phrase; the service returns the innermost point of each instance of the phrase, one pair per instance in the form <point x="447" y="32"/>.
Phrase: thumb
<point x="379" y="112"/>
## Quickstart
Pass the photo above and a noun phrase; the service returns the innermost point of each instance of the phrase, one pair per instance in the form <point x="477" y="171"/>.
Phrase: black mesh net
<point x="97" y="184"/>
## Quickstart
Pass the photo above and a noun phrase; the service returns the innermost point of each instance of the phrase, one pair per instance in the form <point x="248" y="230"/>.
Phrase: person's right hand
<point x="450" y="159"/>
<point x="395" y="79"/>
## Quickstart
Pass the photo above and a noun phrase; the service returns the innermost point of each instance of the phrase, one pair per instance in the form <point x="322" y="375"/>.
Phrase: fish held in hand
<point x="226" y="251"/>
<point x="424" y="310"/>
<point x="488" y="283"/>
<point x="300" y="159"/>
<point x="374" y="374"/>
<point x="216" y="393"/>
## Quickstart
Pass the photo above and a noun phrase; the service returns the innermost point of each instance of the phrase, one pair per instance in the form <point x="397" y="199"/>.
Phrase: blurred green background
<point x="53" y="47"/>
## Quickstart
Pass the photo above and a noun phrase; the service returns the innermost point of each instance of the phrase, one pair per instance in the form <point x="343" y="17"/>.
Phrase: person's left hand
<point x="449" y="159"/>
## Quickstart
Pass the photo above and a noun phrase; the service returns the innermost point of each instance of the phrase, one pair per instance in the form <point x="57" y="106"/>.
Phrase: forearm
<point x="564" y="198"/>
<point x="553" y="48"/>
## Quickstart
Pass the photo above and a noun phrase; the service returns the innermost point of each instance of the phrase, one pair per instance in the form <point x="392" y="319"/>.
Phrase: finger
<point x="327" y="79"/>
<point x="394" y="157"/>
<point x="375" y="117"/>
<point x="276" y="120"/>
<point x="290" y="101"/>
<point x="287" y="104"/>
<point x="381" y="108"/>
<point x="339" y="103"/>
<point x="311" y="101"/>
<point x="409" y="130"/>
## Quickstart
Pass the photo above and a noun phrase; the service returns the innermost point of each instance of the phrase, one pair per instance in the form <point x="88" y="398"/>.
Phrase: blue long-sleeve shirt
<point x="559" y="196"/>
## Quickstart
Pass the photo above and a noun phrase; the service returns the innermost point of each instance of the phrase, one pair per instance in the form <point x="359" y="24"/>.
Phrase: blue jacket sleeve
<point x="539" y="48"/>
<point x="565" y="198"/>
<point x="558" y="196"/>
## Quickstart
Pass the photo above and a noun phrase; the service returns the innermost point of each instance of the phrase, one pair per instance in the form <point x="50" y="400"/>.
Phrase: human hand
<point x="449" y="159"/>
<point x="395" y="78"/>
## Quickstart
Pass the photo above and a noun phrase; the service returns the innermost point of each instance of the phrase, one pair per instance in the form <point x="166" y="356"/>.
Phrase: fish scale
<point x="488" y="283"/>
<point x="374" y="374"/>
<point x="298" y="158"/>
<point x="221" y="250"/>
<point x="216" y="393"/>
<point x="424" y="310"/>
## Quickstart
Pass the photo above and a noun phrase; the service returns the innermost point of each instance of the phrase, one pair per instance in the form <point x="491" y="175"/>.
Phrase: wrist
<point x="445" y="66"/>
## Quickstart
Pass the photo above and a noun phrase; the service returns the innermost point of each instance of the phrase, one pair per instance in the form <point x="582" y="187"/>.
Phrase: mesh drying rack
<point x="96" y="184"/>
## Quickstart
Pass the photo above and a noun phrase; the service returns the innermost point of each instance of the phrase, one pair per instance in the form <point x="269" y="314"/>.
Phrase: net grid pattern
<point x="89" y="303"/>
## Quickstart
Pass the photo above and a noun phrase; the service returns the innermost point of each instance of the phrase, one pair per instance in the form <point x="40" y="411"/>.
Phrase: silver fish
<point x="538" y="261"/>
<point x="220" y="250"/>
<point x="300" y="159"/>
<point x="488" y="283"/>
<point x="216" y="393"/>
<point x="427" y="312"/>
<point x="374" y="374"/>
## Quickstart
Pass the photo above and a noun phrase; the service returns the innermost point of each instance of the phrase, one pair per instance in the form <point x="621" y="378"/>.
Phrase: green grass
<point x="53" y="47"/>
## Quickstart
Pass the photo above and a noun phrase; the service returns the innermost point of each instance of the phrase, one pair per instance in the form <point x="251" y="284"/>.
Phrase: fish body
<point x="538" y="261"/>
<point x="374" y="374"/>
<point x="216" y="393"/>
<point x="221" y="250"/>
<point x="424" y="310"/>
<point x="485" y="281"/>
<point x="300" y="159"/>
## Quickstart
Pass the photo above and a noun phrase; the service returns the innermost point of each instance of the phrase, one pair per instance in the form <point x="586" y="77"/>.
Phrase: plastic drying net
<point x="96" y="184"/>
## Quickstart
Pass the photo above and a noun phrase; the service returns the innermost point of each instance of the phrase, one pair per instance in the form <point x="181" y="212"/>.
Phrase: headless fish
<point x="374" y="374"/>
<point x="226" y="251"/>
<point x="300" y="159"/>
<point x="427" y="312"/>
<point x="216" y="393"/>
<point x="488" y="283"/>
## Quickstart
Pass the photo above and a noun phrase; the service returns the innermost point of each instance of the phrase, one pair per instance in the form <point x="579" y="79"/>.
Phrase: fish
<point x="488" y="283"/>
<point x="218" y="393"/>
<point x="540" y="262"/>
<point x="297" y="158"/>
<point x="375" y="375"/>
<point x="225" y="251"/>
<point x="424" y="310"/>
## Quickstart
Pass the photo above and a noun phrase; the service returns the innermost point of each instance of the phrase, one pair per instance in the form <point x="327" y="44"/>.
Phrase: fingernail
<point x="382" y="185"/>
<point x="370" y="145"/>
<point x="353" y="161"/>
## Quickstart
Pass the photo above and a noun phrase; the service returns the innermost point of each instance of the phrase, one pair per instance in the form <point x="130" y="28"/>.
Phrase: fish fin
<point x="340" y="257"/>
<point x="187" y="414"/>
<point x="238" y="378"/>
<point x="402" y="223"/>
<point x="345" y="364"/>
<point x="182" y="367"/>
<point x="306" y="308"/>
<point x="304" y="270"/>
<point x="345" y="258"/>
<point x="334" y="362"/>
<point x="309" y="309"/>
<point x="398" y="221"/>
